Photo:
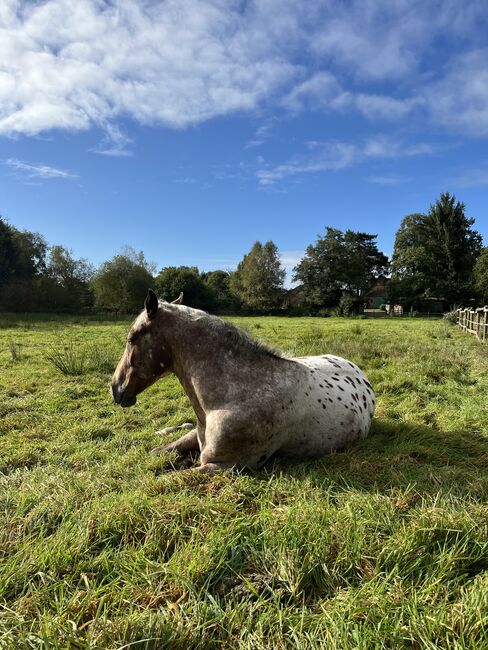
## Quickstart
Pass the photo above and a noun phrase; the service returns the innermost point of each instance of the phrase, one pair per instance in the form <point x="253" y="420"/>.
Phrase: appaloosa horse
<point x="250" y="402"/>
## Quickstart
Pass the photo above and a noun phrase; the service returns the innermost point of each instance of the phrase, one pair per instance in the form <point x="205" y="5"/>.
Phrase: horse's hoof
<point x="158" y="450"/>
<point x="167" y="430"/>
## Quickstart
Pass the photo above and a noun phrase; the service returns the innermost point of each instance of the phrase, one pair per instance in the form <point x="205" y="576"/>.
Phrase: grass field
<point x="103" y="546"/>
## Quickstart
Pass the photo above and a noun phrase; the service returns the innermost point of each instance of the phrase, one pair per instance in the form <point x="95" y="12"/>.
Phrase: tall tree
<point x="71" y="276"/>
<point x="30" y="254"/>
<point x="7" y="252"/>
<point x="121" y="284"/>
<point x="338" y="263"/>
<point x="434" y="254"/>
<point x="480" y="274"/>
<point x="258" y="280"/>
<point x="22" y="268"/>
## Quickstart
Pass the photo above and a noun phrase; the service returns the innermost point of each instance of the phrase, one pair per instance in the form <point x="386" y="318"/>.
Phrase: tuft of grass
<point x="15" y="350"/>
<point x="101" y="358"/>
<point x="67" y="357"/>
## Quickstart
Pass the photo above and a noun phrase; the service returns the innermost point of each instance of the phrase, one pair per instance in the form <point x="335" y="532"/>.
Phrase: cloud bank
<point x="73" y="65"/>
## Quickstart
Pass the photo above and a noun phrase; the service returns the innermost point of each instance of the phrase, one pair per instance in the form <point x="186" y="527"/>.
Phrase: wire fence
<point x="474" y="321"/>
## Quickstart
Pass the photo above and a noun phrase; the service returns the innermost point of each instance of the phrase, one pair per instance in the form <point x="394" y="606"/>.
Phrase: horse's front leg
<point x="185" y="444"/>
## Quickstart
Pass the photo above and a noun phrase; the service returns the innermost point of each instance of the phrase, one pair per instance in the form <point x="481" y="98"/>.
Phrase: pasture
<point x="103" y="546"/>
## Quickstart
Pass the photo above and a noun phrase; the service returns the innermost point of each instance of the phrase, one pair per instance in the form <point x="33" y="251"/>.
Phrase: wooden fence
<point x="474" y="321"/>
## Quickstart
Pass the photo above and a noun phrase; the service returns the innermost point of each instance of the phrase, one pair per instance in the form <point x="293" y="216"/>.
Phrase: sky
<point x="189" y="129"/>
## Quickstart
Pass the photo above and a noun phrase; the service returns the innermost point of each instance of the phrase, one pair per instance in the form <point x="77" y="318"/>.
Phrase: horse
<point x="251" y="402"/>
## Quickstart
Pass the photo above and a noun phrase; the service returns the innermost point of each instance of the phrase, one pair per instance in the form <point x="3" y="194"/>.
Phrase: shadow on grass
<point x="398" y="455"/>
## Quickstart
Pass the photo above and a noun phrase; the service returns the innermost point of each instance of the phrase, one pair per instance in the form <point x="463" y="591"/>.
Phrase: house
<point x="375" y="296"/>
<point x="293" y="297"/>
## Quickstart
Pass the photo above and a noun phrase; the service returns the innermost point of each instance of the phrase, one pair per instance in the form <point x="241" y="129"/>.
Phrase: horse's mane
<point x="228" y="331"/>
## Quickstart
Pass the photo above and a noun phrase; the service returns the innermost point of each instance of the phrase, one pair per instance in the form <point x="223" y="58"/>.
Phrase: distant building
<point x="293" y="297"/>
<point x="375" y="296"/>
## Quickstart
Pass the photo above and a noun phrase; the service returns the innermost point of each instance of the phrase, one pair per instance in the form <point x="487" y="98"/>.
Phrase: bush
<point x="451" y="316"/>
<point x="350" y="305"/>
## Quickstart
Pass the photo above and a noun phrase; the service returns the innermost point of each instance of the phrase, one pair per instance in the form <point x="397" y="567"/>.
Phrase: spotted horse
<point x="251" y="402"/>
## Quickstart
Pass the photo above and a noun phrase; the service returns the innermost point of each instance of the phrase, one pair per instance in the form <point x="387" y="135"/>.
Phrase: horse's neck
<point x="192" y="358"/>
<point x="202" y="365"/>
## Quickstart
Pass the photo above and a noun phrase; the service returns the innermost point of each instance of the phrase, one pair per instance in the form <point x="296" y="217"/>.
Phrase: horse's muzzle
<point x="122" y="398"/>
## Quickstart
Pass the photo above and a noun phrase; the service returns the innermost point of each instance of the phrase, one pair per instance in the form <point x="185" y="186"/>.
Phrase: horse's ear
<point x="179" y="300"/>
<point x="151" y="303"/>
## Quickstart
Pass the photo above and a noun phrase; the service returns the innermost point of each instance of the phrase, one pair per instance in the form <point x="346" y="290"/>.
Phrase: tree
<point x="410" y="262"/>
<point x="258" y="280"/>
<point x="22" y="268"/>
<point x="121" y="284"/>
<point x="480" y="275"/>
<point x="219" y="285"/>
<point x="338" y="263"/>
<point x="30" y="254"/>
<point x="173" y="279"/>
<point x="71" y="278"/>
<point x="7" y="252"/>
<point x="434" y="254"/>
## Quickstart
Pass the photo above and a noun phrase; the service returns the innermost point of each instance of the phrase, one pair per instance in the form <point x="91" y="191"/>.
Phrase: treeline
<point x="436" y="255"/>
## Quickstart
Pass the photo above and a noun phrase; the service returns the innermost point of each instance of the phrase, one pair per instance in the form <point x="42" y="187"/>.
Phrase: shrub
<point x="350" y="305"/>
<point x="451" y="317"/>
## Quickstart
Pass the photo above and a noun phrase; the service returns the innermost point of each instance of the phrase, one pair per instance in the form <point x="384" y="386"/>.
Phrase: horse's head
<point x="145" y="357"/>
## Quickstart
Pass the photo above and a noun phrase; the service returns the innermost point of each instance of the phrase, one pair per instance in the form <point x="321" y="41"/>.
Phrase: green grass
<point x="103" y="546"/>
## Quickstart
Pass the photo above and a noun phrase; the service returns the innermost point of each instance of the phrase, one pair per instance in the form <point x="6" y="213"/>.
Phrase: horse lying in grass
<point x="250" y="401"/>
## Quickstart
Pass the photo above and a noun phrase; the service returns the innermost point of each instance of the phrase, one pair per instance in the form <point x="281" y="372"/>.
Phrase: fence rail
<point x="474" y="321"/>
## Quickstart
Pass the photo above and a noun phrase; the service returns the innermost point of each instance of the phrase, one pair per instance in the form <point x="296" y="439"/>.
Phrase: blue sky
<point x="191" y="128"/>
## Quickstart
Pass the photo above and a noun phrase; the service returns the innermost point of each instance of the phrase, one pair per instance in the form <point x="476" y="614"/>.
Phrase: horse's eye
<point x="131" y="340"/>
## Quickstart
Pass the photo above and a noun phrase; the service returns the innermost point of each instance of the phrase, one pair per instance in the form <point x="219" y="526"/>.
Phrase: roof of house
<point x="378" y="288"/>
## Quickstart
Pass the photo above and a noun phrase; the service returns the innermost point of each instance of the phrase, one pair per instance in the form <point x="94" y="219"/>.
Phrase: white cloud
<point x="29" y="170"/>
<point x="334" y="156"/>
<point x="186" y="180"/>
<point x="388" y="39"/>
<point x="114" y="143"/>
<point x="472" y="178"/>
<point x="318" y="91"/>
<point x="388" y="180"/>
<point x="460" y="99"/>
<point x="262" y="135"/>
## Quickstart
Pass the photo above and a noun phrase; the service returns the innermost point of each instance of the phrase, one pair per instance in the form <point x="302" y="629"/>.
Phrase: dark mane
<point x="228" y="331"/>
